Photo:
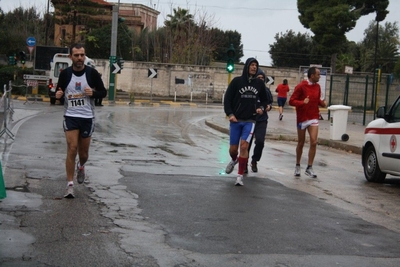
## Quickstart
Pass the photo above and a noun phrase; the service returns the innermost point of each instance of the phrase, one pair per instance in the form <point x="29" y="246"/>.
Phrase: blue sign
<point x="31" y="41"/>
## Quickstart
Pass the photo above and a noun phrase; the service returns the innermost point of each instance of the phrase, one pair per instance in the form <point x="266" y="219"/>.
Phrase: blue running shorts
<point x="240" y="130"/>
<point x="281" y="101"/>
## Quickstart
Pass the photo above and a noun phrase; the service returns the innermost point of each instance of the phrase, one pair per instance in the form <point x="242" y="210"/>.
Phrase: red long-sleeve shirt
<point x="309" y="111"/>
<point x="282" y="90"/>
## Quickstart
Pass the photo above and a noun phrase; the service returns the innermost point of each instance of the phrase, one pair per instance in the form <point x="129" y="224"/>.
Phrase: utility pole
<point x="375" y="78"/>
<point x="47" y="23"/>
<point x="113" y="52"/>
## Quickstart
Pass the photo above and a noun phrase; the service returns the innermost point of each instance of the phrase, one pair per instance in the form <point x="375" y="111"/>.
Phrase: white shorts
<point x="303" y="125"/>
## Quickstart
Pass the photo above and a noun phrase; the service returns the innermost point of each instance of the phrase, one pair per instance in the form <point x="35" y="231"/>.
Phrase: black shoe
<point x="254" y="166"/>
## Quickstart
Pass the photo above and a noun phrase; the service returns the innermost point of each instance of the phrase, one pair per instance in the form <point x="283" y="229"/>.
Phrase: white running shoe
<point x="69" y="192"/>
<point x="231" y="166"/>
<point x="297" y="171"/>
<point x="309" y="171"/>
<point x="239" y="180"/>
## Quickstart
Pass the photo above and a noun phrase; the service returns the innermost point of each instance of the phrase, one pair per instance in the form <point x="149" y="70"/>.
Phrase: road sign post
<point x="113" y="52"/>
<point x="151" y="73"/>
<point x="111" y="90"/>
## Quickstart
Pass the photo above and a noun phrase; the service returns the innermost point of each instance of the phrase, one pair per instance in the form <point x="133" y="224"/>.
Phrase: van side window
<point x="396" y="112"/>
<point x="59" y="67"/>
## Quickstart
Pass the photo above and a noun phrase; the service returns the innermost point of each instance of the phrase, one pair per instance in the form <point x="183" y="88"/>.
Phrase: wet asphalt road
<point x="158" y="196"/>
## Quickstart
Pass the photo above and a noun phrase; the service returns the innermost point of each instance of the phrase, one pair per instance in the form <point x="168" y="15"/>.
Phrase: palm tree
<point x="386" y="52"/>
<point x="180" y="25"/>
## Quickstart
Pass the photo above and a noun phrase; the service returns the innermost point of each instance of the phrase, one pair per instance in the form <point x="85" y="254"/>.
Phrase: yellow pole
<point x="229" y="77"/>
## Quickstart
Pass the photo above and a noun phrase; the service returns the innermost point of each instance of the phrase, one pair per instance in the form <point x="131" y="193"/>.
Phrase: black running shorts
<point x="84" y="125"/>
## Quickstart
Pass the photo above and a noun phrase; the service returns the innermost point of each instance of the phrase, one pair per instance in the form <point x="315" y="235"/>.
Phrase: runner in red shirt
<point x="282" y="90"/>
<point x="307" y="99"/>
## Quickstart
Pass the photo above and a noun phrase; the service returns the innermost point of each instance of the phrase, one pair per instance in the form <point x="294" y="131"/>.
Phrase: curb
<point x="293" y="138"/>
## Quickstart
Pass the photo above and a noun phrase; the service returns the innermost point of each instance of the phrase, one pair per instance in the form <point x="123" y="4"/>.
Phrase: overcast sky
<point x="258" y="21"/>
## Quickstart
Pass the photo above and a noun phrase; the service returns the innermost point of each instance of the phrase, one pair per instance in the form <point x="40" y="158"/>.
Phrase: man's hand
<point x="232" y="118"/>
<point x="59" y="93"/>
<point x="259" y="111"/>
<point x="88" y="91"/>
<point x="306" y="100"/>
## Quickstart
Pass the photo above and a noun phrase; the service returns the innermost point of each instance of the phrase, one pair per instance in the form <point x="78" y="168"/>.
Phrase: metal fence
<point x="364" y="93"/>
<point x="8" y="111"/>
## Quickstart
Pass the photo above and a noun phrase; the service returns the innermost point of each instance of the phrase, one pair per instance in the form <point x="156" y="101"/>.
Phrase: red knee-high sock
<point x="242" y="165"/>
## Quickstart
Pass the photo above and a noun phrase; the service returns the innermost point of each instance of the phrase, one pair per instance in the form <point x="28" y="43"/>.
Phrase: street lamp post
<point x="47" y="23"/>
<point x="375" y="79"/>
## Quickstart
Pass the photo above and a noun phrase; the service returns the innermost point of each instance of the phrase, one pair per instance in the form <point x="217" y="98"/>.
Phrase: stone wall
<point x="198" y="80"/>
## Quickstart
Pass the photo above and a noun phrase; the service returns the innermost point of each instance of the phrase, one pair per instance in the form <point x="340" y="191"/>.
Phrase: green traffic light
<point x="230" y="65"/>
<point x="230" y="53"/>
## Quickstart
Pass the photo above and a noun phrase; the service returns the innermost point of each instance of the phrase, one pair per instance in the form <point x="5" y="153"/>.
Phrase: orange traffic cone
<point x="3" y="193"/>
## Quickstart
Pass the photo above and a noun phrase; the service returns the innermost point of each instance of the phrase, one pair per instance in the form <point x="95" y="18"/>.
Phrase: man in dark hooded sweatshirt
<point x="260" y="128"/>
<point x="244" y="99"/>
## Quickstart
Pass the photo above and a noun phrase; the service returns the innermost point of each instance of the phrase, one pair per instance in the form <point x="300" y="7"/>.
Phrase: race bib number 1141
<point x="76" y="102"/>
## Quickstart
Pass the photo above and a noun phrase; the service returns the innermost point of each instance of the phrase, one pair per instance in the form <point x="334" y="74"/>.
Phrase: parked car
<point x="381" y="150"/>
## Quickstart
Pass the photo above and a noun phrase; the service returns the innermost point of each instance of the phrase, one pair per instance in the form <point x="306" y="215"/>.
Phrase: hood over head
<point x="261" y="72"/>
<point x="245" y="73"/>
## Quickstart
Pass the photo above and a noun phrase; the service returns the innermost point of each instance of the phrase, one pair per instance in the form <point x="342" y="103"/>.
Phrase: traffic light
<point x="230" y="64"/>
<point x="120" y="62"/>
<point x="11" y="60"/>
<point x="22" y="57"/>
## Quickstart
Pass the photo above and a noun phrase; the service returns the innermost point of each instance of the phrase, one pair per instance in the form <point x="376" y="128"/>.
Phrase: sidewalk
<point x="286" y="130"/>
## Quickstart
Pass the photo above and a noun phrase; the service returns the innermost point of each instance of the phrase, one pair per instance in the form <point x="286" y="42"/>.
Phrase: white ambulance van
<point x="60" y="62"/>
<point x="381" y="150"/>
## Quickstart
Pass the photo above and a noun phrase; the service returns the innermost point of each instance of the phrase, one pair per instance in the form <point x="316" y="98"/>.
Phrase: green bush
<point x="7" y="74"/>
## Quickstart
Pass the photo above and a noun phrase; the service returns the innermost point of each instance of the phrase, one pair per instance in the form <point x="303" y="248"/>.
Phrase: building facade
<point x="74" y="19"/>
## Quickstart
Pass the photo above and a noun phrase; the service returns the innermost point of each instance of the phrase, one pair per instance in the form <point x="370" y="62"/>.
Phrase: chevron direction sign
<point x="116" y="69"/>
<point x="270" y="80"/>
<point x="152" y="73"/>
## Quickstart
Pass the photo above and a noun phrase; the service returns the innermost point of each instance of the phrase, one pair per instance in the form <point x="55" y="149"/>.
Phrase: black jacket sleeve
<point x="63" y="80"/>
<point x="269" y="97"/>
<point x="264" y="99"/>
<point x="100" y="91"/>
<point x="229" y="99"/>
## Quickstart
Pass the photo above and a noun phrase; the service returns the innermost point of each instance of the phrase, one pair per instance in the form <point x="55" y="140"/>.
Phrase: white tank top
<point x="77" y="104"/>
